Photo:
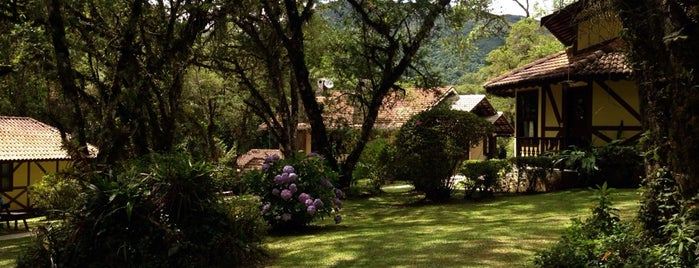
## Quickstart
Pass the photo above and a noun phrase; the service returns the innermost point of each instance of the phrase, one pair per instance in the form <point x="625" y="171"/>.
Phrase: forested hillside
<point x="452" y="61"/>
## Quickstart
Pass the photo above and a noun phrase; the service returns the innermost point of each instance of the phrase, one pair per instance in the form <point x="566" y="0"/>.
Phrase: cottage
<point x="29" y="150"/>
<point x="397" y="108"/>
<point x="582" y="96"/>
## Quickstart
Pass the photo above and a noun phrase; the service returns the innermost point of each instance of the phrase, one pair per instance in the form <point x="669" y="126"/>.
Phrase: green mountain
<point x="452" y="62"/>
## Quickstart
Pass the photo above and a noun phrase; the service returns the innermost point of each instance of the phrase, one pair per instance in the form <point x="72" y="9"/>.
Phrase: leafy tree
<point x="527" y="41"/>
<point x="275" y="48"/>
<point x="115" y="72"/>
<point x="432" y="145"/>
<point x="384" y="43"/>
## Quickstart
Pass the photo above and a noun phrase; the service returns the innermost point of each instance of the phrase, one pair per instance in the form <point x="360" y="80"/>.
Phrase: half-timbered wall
<point x="615" y="111"/>
<point x="26" y="173"/>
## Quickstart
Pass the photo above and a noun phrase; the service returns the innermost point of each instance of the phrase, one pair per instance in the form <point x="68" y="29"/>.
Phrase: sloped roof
<point x="397" y="107"/>
<point x="476" y="103"/>
<point x="24" y="138"/>
<point x="254" y="158"/>
<point x="502" y="126"/>
<point x="561" y="23"/>
<point x="606" y="62"/>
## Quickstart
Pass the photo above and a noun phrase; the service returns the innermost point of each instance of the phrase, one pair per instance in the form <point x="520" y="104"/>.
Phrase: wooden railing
<point x="537" y="146"/>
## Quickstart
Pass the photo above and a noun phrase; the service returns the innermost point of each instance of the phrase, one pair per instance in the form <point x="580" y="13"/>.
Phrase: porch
<point x="534" y="146"/>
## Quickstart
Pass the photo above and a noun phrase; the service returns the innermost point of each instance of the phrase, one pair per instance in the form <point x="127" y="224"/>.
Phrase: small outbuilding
<point x="29" y="150"/>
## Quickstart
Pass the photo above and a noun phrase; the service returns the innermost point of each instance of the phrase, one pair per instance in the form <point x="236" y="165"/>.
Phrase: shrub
<point x="580" y="160"/>
<point x="163" y="211"/>
<point x="432" y="145"/>
<point x="619" y="165"/>
<point x="371" y="166"/>
<point x="614" y="163"/>
<point x="482" y="176"/>
<point x="533" y="168"/>
<point x="57" y="193"/>
<point x="599" y="241"/>
<point x="295" y="191"/>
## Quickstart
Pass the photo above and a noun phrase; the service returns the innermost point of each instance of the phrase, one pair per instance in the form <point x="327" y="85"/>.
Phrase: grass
<point x="396" y="230"/>
<point x="392" y="230"/>
<point x="10" y="249"/>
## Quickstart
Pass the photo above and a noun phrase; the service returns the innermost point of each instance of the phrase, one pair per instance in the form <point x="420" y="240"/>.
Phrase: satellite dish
<point x="328" y="83"/>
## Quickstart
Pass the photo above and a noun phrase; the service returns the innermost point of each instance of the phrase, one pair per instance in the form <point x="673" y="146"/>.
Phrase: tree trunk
<point x="663" y="37"/>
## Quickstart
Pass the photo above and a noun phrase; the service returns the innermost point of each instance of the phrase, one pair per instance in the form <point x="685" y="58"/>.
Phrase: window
<point x="527" y="113"/>
<point x="6" y="176"/>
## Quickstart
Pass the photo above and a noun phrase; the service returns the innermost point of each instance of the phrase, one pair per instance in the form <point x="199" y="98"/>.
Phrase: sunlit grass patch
<point x="396" y="229"/>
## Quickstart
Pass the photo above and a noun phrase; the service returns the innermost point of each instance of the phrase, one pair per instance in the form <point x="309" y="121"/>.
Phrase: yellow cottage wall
<point x="28" y="173"/>
<point x="607" y="112"/>
<point x="597" y="29"/>
<point x="551" y="121"/>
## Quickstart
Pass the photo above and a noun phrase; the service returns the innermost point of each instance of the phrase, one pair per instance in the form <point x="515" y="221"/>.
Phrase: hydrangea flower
<point x="275" y="157"/>
<point x="286" y="194"/>
<point x="275" y="192"/>
<point x="339" y="193"/>
<point x="288" y="169"/>
<point x="338" y="219"/>
<point x="293" y="188"/>
<point x="286" y="217"/>
<point x="303" y="197"/>
<point x="308" y="202"/>
<point x="337" y="202"/>
<point x="278" y="179"/>
<point x="265" y="166"/>
<point x="284" y="177"/>
<point x="266" y="208"/>
<point x="311" y="210"/>
<point x="292" y="176"/>
<point x="318" y="203"/>
<point x="326" y="183"/>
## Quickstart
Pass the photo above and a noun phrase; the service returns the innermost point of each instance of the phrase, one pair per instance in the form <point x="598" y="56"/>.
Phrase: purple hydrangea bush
<point x="296" y="191"/>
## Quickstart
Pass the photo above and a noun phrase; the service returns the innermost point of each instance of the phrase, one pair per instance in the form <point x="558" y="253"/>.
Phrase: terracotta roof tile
<point x="397" y="107"/>
<point x="254" y="158"/>
<point x="605" y="61"/>
<point x="24" y="138"/>
<point x="477" y="104"/>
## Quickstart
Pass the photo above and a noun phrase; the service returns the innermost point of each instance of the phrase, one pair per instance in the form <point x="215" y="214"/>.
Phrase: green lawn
<point x="10" y="249"/>
<point x="393" y="231"/>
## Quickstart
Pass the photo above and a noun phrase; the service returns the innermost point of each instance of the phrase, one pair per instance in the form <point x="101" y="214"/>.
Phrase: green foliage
<point x="531" y="170"/>
<point x="57" y="193"/>
<point x="582" y="161"/>
<point x="617" y="164"/>
<point x="162" y="211"/>
<point x="431" y="146"/>
<point x="599" y="241"/>
<point x="482" y="177"/>
<point x="371" y="166"/>
<point x="660" y="200"/>
<point x="296" y="191"/>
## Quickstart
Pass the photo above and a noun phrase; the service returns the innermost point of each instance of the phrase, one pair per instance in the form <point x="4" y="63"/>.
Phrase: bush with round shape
<point x="432" y="145"/>
<point x="295" y="191"/>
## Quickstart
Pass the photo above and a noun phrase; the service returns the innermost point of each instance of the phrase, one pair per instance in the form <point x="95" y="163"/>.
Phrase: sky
<point x="510" y="7"/>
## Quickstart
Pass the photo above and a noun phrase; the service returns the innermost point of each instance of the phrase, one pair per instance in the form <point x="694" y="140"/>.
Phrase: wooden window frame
<point x="6" y="176"/>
